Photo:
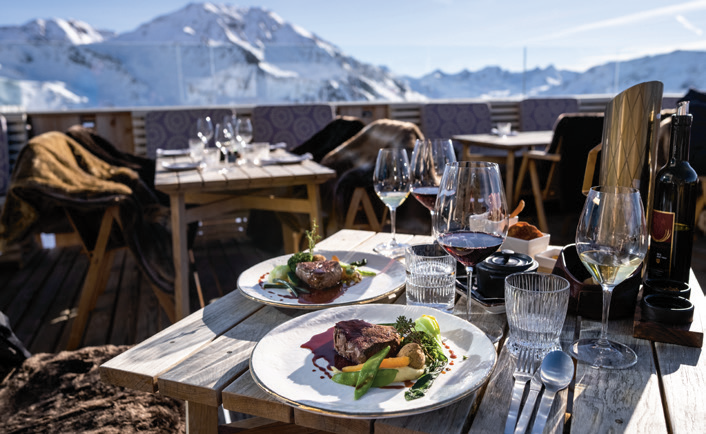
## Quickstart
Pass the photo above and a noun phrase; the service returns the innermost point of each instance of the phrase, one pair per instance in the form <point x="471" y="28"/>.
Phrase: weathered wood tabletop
<point x="203" y="359"/>
<point x="218" y="190"/>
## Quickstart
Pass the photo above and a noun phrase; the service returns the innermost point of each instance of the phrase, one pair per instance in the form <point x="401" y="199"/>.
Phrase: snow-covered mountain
<point x="217" y="54"/>
<point x="201" y="54"/>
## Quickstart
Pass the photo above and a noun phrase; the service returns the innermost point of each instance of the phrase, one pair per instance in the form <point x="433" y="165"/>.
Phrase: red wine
<point x="674" y="207"/>
<point x="426" y="196"/>
<point x="469" y="248"/>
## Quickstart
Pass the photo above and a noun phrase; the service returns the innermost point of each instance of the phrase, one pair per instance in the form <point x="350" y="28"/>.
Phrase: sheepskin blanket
<point x="55" y="175"/>
<point x="62" y="393"/>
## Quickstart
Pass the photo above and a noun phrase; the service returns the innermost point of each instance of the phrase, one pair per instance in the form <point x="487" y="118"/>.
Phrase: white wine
<point x="393" y="199"/>
<point x="606" y="268"/>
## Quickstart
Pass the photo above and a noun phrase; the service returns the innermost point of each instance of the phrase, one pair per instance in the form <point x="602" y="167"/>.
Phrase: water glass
<point x="211" y="156"/>
<point x="535" y="304"/>
<point x="431" y="277"/>
<point x="196" y="147"/>
<point x="253" y="153"/>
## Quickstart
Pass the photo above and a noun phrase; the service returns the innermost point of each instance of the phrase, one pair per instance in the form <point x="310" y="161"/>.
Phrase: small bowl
<point x="667" y="309"/>
<point x="528" y="247"/>
<point x="666" y="287"/>
<point x="547" y="259"/>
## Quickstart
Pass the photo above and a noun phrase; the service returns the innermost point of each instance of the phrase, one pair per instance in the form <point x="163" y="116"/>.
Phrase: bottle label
<point x="661" y="234"/>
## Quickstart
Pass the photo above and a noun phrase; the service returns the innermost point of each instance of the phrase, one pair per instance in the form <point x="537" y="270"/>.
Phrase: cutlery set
<point x="554" y="373"/>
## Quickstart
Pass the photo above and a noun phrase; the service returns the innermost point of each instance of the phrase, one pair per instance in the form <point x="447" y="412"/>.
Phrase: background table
<point x="213" y="192"/>
<point x="203" y="360"/>
<point x="520" y="140"/>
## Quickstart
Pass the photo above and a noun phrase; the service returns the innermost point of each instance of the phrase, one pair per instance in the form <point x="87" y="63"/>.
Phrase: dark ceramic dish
<point x="587" y="299"/>
<point x="667" y="309"/>
<point x="666" y="287"/>
<point x="491" y="273"/>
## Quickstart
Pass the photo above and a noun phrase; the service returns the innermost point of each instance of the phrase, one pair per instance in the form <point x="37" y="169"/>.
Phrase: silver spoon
<point x="556" y="373"/>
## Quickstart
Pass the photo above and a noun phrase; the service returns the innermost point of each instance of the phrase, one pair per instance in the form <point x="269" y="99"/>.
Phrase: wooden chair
<point x="574" y="135"/>
<point x="101" y="255"/>
<point x="361" y="202"/>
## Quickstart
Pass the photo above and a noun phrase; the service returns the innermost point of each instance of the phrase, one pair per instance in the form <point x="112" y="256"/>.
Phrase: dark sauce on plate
<point x="316" y="296"/>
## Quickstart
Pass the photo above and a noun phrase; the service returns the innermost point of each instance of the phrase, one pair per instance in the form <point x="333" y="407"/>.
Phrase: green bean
<point x="368" y="371"/>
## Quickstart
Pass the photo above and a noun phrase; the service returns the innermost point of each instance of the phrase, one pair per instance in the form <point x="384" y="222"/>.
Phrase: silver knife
<point x="535" y="388"/>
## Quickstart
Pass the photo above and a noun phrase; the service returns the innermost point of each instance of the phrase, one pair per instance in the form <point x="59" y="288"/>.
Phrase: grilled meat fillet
<point x="357" y="340"/>
<point x="319" y="274"/>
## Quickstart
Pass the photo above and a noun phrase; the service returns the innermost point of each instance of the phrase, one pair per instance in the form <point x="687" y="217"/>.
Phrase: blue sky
<point x="415" y="37"/>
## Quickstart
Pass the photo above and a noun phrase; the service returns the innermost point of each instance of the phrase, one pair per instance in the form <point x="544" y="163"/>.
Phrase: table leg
<point x="201" y="419"/>
<point x="181" y="257"/>
<point x="314" y="196"/>
<point x="509" y="176"/>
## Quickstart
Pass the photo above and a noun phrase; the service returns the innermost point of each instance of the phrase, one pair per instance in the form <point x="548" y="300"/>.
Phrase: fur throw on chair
<point x="55" y="175"/>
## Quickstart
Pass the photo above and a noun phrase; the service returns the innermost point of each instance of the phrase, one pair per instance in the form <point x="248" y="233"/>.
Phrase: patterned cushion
<point x="171" y="129"/>
<point x="441" y="121"/>
<point x="537" y="114"/>
<point x="291" y="124"/>
<point x="4" y="157"/>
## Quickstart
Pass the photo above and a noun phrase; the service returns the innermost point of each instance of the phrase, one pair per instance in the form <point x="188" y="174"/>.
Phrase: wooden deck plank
<point x="49" y="334"/>
<point x="37" y="312"/>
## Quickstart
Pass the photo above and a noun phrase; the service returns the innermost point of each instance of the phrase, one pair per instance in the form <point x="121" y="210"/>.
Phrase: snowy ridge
<point x="206" y="53"/>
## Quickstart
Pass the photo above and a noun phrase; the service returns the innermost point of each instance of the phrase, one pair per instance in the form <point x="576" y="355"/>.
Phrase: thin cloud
<point x="622" y="21"/>
<point x="688" y="25"/>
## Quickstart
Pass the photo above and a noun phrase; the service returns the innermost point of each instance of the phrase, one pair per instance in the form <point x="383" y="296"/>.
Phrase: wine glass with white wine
<point x="611" y="240"/>
<point x="392" y="183"/>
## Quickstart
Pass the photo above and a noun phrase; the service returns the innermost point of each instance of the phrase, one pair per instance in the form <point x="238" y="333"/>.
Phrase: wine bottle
<point x="673" y="213"/>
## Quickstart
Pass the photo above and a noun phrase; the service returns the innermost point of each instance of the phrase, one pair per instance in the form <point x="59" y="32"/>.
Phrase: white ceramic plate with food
<point x="281" y="367"/>
<point x="389" y="277"/>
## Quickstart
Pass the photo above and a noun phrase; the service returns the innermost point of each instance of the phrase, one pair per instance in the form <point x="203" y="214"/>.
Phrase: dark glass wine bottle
<point x="673" y="213"/>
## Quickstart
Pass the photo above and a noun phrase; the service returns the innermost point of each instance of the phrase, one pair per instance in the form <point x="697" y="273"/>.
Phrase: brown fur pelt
<point x="363" y="147"/>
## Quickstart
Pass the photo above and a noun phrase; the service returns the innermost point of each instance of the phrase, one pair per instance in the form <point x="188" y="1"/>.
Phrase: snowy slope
<point x="218" y="54"/>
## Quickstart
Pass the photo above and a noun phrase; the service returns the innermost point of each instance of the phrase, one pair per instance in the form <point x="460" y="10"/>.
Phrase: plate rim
<point x="178" y="166"/>
<point x="373" y="415"/>
<point x="303" y="306"/>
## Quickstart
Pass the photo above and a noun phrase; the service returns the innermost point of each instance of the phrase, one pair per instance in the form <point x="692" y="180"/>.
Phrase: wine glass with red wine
<point x="471" y="216"/>
<point x="429" y="158"/>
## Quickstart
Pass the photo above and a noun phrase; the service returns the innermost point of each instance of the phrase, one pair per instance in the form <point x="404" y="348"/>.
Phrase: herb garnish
<point x="431" y="345"/>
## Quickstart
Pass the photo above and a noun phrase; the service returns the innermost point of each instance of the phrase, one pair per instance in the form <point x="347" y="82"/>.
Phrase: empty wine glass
<point x="243" y="130"/>
<point x="391" y="179"/>
<point x="429" y="159"/>
<point x="611" y="240"/>
<point x="471" y="217"/>
<point x="204" y="129"/>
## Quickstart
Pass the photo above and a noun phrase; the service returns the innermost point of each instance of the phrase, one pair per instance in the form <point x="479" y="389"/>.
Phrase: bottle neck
<point x="679" y="140"/>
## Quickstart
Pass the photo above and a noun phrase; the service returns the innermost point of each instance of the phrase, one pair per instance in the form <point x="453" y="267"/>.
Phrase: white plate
<point x="173" y="152"/>
<point x="282" y="368"/>
<point x="284" y="159"/>
<point x="390" y="277"/>
<point x="179" y="166"/>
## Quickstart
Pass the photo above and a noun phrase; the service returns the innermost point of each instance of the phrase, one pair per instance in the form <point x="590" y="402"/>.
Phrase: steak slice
<point x="320" y="274"/>
<point x="358" y="340"/>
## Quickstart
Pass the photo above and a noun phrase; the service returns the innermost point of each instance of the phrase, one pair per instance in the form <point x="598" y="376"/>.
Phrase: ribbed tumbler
<point x="535" y="304"/>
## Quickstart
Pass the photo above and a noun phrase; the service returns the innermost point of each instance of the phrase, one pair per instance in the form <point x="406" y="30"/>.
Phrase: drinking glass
<point x="470" y="217"/>
<point x="611" y="240"/>
<point x="391" y="180"/>
<point x="204" y="129"/>
<point x="429" y="159"/>
<point x="224" y="139"/>
<point x="243" y="130"/>
<point x="536" y="305"/>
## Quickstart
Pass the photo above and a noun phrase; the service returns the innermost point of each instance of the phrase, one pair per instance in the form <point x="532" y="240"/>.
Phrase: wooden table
<point x="213" y="192"/>
<point x="203" y="360"/>
<point x="521" y="140"/>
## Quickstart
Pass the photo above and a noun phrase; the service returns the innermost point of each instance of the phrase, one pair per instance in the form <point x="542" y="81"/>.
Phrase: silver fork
<point x="523" y="373"/>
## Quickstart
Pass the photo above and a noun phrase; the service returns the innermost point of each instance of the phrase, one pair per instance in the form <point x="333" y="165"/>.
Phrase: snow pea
<point x="368" y="371"/>
<point x="382" y="379"/>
